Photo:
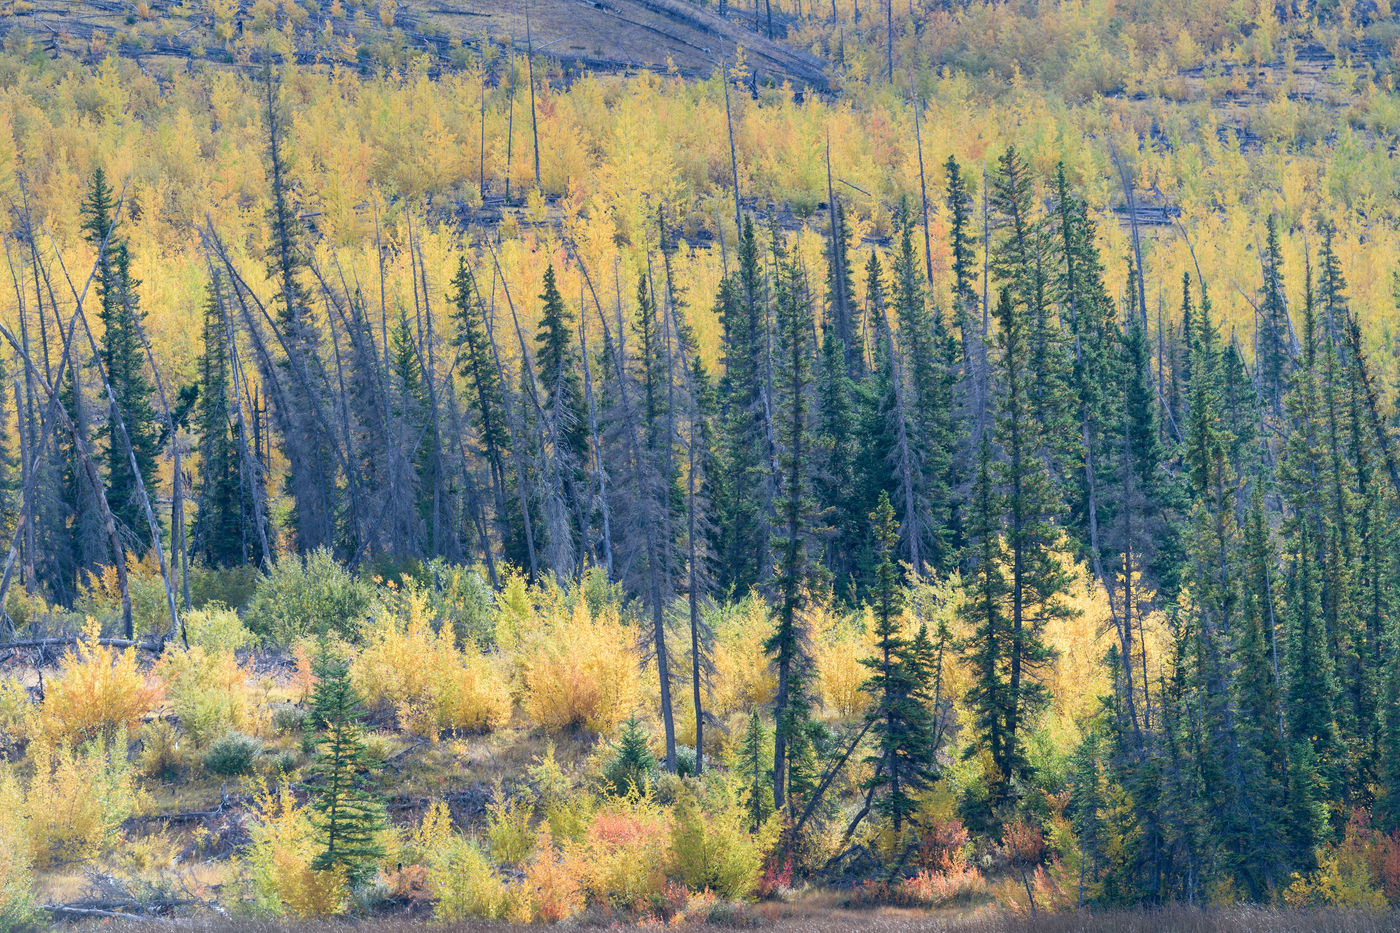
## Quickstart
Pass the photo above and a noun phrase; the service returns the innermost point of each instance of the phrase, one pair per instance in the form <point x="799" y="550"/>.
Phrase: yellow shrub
<point x="839" y="645"/>
<point x="98" y="689"/>
<point x="429" y="840"/>
<point x="742" y="677"/>
<point x="75" y="800"/>
<point x="16" y="877"/>
<point x="466" y="886"/>
<point x="208" y="692"/>
<point x="1345" y="877"/>
<point x="583" y="673"/>
<point x="15" y="708"/>
<point x="622" y="858"/>
<point x="430" y="685"/>
<point x="279" y="860"/>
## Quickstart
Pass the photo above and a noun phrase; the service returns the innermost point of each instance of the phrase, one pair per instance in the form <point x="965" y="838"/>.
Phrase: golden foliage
<point x="742" y="677"/>
<point x="97" y="690"/>
<point x="420" y="674"/>
<point x="582" y="671"/>
<point x="208" y="693"/>
<point x="16" y="710"/>
<point x="839" y="643"/>
<point x="1346" y="876"/>
<point x="551" y="881"/>
<point x="278" y="860"/>
<point x="72" y="805"/>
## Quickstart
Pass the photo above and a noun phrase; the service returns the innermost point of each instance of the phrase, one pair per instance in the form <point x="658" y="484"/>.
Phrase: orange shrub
<point x="552" y="882"/>
<point x="622" y="858"/>
<point x="931" y="888"/>
<point x="583" y="672"/>
<point x="97" y="690"/>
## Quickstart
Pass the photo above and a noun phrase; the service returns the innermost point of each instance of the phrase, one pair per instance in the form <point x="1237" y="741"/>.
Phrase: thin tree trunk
<point x="923" y="192"/>
<point x="530" y="66"/>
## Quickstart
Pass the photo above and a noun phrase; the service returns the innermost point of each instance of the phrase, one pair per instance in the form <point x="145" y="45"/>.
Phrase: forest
<point x="942" y="468"/>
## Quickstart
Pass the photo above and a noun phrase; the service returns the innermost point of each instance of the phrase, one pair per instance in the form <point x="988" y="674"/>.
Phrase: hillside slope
<point x="607" y="35"/>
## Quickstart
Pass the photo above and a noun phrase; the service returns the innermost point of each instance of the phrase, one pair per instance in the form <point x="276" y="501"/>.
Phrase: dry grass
<point x="810" y="919"/>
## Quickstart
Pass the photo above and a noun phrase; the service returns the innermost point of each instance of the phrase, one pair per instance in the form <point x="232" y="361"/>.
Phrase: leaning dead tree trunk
<point x="120" y="419"/>
<point x="79" y="442"/>
<point x="638" y="455"/>
<point x="513" y="429"/>
<point x="599" y="468"/>
<point x="109" y="524"/>
<point x="556" y="510"/>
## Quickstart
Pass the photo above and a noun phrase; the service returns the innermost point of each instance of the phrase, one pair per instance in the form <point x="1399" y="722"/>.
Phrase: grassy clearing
<point x="817" y="916"/>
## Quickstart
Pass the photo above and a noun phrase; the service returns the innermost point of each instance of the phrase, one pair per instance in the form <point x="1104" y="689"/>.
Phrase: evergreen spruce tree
<point x="1095" y="372"/>
<point x="1007" y="645"/>
<point x="1275" y="342"/>
<point x="347" y="813"/>
<point x="795" y="522"/>
<point x="836" y="444"/>
<point x="964" y="297"/>
<point x="891" y="460"/>
<point x="931" y="380"/>
<point x="486" y="401"/>
<point x="1309" y="672"/>
<point x="903" y="759"/>
<point x="410" y="414"/>
<point x="755" y="772"/>
<point x="558" y="371"/>
<point x="984" y="613"/>
<point x="1021" y="264"/>
<point x="743" y="554"/>
<point x="633" y="766"/>
<point x="123" y="358"/>
<point x="1265" y="816"/>
<point x="1087" y="809"/>
<point x="225" y="531"/>
<point x="842" y="315"/>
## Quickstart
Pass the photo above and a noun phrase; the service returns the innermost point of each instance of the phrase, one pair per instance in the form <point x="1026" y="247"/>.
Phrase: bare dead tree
<point x="80" y="446"/>
<point x="637" y="453"/>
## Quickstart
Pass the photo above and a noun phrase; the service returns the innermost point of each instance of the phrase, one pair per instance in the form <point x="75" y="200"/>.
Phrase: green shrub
<point x="509" y="836"/>
<point x="460" y="597"/>
<point x="232" y="755"/>
<point x="467" y="886"/>
<point x="633" y="766"/>
<point x="714" y="850"/>
<point x="685" y="761"/>
<point x="310" y="596"/>
<point x="289" y="719"/>
<point x="226" y="586"/>
<point x="216" y="627"/>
